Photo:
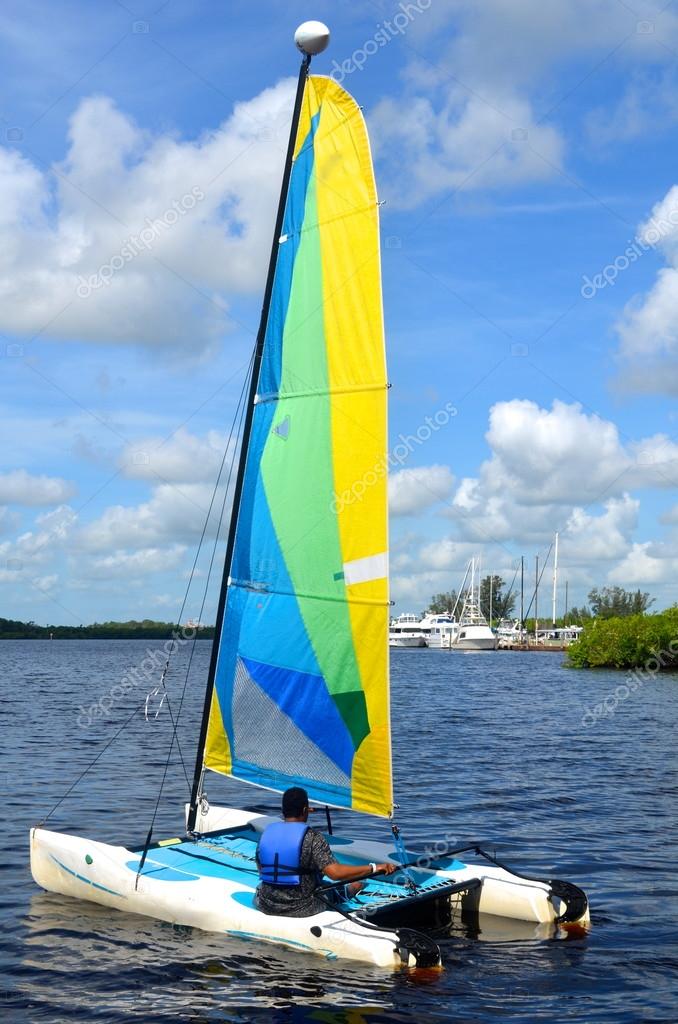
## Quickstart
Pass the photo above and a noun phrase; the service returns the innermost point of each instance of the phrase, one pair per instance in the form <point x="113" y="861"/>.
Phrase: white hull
<point x="105" y="874"/>
<point x="478" y="644"/>
<point x="467" y="644"/>
<point x="406" y="641"/>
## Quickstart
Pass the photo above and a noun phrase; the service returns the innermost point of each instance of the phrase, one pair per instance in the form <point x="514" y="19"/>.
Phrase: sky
<point x="525" y="155"/>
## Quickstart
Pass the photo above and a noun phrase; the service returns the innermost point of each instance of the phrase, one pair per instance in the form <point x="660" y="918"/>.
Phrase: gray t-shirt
<point x="298" y="900"/>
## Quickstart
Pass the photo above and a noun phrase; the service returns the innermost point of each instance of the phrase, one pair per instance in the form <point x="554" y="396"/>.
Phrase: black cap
<point x="294" y="802"/>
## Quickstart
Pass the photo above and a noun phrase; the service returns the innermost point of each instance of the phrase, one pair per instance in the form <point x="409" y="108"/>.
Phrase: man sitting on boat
<point x="292" y="859"/>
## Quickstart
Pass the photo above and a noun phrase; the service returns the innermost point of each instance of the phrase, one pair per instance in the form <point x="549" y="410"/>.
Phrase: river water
<point x="503" y="748"/>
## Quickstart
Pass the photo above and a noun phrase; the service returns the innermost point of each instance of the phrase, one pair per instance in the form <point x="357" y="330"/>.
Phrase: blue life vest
<point x="280" y="852"/>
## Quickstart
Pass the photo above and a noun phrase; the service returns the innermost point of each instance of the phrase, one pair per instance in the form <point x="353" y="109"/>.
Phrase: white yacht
<point x="442" y="631"/>
<point x="471" y="632"/>
<point x="405" y="631"/>
<point x="511" y="634"/>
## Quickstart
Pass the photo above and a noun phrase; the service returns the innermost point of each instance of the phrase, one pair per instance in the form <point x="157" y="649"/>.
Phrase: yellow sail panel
<point x="302" y="671"/>
<point x="354" y="332"/>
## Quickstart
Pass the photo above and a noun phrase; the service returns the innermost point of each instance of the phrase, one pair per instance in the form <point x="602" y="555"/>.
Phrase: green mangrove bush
<point x="627" y="642"/>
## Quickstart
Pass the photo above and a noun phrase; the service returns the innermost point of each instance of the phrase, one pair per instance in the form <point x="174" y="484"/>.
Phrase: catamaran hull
<point x="79" y="867"/>
<point x="185" y="895"/>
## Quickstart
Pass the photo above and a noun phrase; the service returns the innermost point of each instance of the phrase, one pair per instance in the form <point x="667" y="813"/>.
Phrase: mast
<point x="567" y="584"/>
<point x="307" y="49"/>
<point x="555" y="583"/>
<point x="522" y="597"/>
<point x="536" y="595"/>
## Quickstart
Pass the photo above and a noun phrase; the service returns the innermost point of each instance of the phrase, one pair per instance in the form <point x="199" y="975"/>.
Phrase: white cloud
<point x="591" y="538"/>
<point x="670" y="517"/>
<point x="184" y="458"/>
<point x="9" y="520"/>
<point x="413" y="592"/>
<point x="479" y="108"/>
<point x="173" y="513"/>
<point x="554" y="455"/>
<point x="648" y="328"/>
<point x="410" y="491"/>
<point x="61" y="226"/>
<point x="446" y="554"/>
<point x="559" y="469"/>
<point x="21" y="488"/>
<point x="34" y="547"/>
<point x="515" y="44"/>
<point x="134" y="564"/>
<point x="45" y="583"/>
<point x="647" y="107"/>
<point x="455" y="140"/>
<point x="560" y="456"/>
<point x="644" y="566"/>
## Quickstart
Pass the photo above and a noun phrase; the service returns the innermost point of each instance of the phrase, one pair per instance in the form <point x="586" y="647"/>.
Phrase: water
<point x="488" y="747"/>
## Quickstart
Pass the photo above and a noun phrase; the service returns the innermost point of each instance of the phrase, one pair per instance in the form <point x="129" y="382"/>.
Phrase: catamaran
<point x="298" y="682"/>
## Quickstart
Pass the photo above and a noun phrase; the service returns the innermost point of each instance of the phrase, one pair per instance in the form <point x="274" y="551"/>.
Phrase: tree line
<point x="496" y="602"/>
<point x="146" y="629"/>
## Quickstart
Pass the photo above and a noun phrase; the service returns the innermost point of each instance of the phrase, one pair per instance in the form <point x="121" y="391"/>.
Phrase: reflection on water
<point x="487" y="750"/>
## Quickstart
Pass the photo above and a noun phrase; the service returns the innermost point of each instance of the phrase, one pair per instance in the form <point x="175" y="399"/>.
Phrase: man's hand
<point x="386" y="868"/>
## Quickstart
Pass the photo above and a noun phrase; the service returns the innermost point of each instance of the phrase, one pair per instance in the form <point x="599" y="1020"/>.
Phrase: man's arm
<point x="352" y="872"/>
<point x="323" y="861"/>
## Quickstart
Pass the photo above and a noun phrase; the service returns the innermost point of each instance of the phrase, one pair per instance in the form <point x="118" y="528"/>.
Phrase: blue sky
<point x="520" y="149"/>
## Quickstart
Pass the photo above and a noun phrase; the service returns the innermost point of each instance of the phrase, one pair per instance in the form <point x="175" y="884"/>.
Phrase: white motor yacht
<point x="405" y="631"/>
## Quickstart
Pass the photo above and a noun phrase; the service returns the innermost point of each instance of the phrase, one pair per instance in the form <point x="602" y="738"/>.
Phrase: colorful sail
<point x="301" y="686"/>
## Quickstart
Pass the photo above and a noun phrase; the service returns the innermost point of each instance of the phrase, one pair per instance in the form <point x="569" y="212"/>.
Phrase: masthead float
<point x="298" y="687"/>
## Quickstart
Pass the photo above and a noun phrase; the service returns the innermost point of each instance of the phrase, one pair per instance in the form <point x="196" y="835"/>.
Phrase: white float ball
<point x="312" y="37"/>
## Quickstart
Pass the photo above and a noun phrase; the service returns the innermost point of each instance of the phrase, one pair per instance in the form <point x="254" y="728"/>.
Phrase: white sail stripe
<point x="362" y="570"/>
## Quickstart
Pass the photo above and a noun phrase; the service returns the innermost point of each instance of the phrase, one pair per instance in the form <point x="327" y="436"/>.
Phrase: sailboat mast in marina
<point x="298" y="684"/>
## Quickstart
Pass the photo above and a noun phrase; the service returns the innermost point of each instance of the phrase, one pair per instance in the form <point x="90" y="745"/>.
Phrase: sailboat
<point x="474" y="634"/>
<point x="471" y="632"/>
<point x="298" y="682"/>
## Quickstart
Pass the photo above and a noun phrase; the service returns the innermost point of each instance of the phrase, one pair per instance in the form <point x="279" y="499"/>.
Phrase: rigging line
<point x="70" y="789"/>
<point x="218" y="529"/>
<point x="233" y="433"/>
<point x="223" y="504"/>
<point x="139" y="707"/>
<point x="534" y="593"/>
<point x="504" y="604"/>
<point x="236" y="424"/>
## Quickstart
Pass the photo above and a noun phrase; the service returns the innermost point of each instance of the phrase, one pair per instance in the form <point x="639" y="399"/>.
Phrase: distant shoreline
<point x="146" y="629"/>
<point x="201" y="635"/>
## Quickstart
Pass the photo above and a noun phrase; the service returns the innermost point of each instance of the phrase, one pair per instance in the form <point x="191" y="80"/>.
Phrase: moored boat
<point x="406" y="631"/>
